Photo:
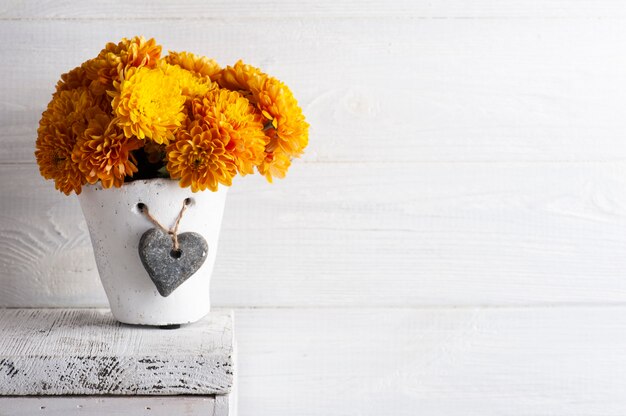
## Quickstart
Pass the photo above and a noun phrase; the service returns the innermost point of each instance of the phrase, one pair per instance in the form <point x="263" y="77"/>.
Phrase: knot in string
<point x="172" y="231"/>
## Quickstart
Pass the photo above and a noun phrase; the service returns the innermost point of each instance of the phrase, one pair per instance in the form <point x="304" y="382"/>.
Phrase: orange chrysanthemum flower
<point x="115" y="59"/>
<point x="149" y="103"/>
<point x="199" y="159"/>
<point x="77" y="78"/>
<point x="104" y="153"/>
<point x="61" y="126"/>
<point x="237" y="123"/>
<point x="73" y="79"/>
<point x="199" y="65"/>
<point x="243" y="78"/>
<point x="275" y="165"/>
<point x="138" y="52"/>
<point x="286" y="127"/>
<point x="279" y="106"/>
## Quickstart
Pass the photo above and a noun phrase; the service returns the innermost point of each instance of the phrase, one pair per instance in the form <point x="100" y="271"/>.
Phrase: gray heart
<point x="166" y="268"/>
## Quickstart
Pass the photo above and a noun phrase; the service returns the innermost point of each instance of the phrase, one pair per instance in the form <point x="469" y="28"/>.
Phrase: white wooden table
<point x="82" y="361"/>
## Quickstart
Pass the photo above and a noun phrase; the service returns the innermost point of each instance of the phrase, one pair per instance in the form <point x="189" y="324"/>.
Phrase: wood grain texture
<point x="351" y="234"/>
<point x="86" y="352"/>
<point x="434" y="90"/>
<point x="462" y="154"/>
<point x="110" y="406"/>
<point x="403" y="362"/>
<point x="257" y="9"/>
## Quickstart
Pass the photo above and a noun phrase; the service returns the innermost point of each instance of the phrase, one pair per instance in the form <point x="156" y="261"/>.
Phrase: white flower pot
<point x="116" y="225"/>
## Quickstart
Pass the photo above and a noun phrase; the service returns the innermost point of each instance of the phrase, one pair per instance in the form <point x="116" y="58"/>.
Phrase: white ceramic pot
<point x="116" y="225"/>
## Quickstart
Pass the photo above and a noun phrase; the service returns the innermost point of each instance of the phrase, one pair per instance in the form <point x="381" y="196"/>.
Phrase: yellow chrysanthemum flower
<point x="199" y="159"/>
<point x="236" y="122"/>
<point x="61" y="126"/>
<point x="104" y="153"/>
<point x="200" y="65"/>
<point x="115" y="59"/>
<point x="191" y="84"/>
<point x="149" y="103"/>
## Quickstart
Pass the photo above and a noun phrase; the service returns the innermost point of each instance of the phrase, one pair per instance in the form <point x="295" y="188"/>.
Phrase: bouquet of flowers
<point x="130" y="113"/>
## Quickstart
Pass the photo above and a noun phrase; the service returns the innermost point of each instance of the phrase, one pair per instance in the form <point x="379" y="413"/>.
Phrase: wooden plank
<point x="434" y="90"/>
<point x="258" y="9"/>
<point x="226" y="404"/>
<point x="361" y="234"/>
<point x="110" y="406"/>
<point x="55" y="352"/>
<point x="401" y="362"/>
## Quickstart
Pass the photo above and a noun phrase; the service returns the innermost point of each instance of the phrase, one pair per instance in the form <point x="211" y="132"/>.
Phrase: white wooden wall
<point x="454" y="241"/>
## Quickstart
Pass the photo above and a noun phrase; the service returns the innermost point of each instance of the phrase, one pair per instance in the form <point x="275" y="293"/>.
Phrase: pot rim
<point x="136" y="182"/>
<point x="142" y="182"/>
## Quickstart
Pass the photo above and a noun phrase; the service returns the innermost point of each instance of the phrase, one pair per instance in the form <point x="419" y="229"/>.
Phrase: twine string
<point x="173" y="231"/>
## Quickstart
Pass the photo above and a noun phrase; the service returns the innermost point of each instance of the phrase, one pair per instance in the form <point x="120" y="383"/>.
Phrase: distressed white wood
<point x="110" y="406"/>
<point x="257" y="9"/>
<point x="425" y="90"/>
<point x="440" y="362"/>
<point x="456" y="361"/>
<point x="350" y="234"/>
<point x="86" y="352"/>
<point x="226" y="404"/>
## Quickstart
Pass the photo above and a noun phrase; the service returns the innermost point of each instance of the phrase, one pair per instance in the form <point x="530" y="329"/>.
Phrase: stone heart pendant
<point x="167" y="268"/>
